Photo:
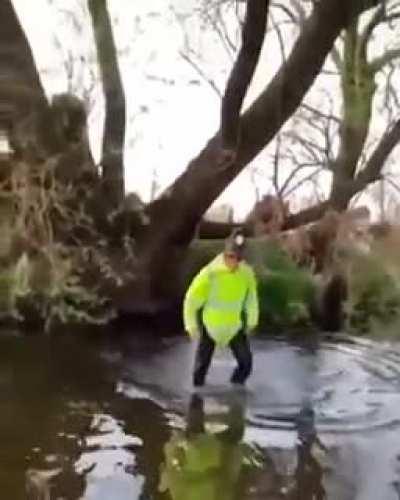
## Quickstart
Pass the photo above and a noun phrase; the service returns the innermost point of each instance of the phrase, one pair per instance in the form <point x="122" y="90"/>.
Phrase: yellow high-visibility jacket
<point x="201" y="468"/>
<point x="226" y="298"/>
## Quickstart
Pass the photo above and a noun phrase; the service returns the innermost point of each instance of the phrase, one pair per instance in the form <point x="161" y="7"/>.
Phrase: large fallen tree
<point x="167" y="225"/>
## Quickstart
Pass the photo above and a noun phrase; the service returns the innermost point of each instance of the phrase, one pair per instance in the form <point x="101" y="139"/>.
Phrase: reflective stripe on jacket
<point x="224" y="296"/>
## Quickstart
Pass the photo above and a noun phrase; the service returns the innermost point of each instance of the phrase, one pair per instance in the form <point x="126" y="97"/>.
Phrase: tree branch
<point x="380" y="62"/>
<point x="284" y="191"/>
<point x="306" y="216"/>
<point x="201" y="73"/>
<point x="175" y="214"/>
<point x="286" y="10"/>
<point x="374" y="166"/>
<point x="115" y="112"/>
<point x="365" y="36"/>
<point x="242" y="72"/>
<point x="275" y="175"/>
<point x="279" y="36"/>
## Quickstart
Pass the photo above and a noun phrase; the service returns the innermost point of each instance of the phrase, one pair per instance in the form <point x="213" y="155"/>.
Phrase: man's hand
<point x="194" y="334"/>
<point x="249" y="331"/>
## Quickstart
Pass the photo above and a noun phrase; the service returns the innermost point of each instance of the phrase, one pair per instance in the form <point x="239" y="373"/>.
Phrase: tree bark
<point x="307" y="216"/>
<point x="253" y="35"/>
<point x="174" y="216"/>
<point x="172" y="219"/>
<point x="115" y="103"/>
<point x="358" y="89"/>
<point x="21" y="91"/>
<point x="371" y="173"/>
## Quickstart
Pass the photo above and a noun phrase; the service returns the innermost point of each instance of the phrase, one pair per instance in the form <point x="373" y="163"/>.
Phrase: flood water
<point x="101" y="419"/>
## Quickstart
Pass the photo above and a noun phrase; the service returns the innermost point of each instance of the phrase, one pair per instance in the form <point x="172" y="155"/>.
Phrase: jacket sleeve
<point x="195" y="298"/>
<point x="251" y="306"/>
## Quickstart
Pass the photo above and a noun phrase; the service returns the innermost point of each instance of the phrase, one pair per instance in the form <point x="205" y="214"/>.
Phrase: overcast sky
<point x="171" y="112"/>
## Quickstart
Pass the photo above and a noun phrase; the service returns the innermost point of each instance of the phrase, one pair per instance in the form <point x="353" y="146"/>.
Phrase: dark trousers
<point x="240" y="348"/>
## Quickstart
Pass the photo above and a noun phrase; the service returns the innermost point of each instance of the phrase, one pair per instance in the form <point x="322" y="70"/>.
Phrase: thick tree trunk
<point x="36" y="128"/>
<point x="115" y="104"/>
<point x="21" y="92"/>
<point x="358" y="89"/>
<point x="172" y="219"/>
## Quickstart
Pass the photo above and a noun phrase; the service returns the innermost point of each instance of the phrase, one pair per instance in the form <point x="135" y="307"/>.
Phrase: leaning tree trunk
<point x="115" y="113"/>
<point x="21" y="92"/>
<point x="172" y="219"/>
<point x="358" y="89"/>
<point x="37" y="129"/>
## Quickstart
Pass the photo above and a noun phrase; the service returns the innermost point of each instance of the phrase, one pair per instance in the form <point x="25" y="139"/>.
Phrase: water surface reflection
<point x="94" y="418"/>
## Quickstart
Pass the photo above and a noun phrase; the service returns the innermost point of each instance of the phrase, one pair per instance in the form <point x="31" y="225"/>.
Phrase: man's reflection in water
<point x="309" y="473"/>
<point x="206" y="465"/>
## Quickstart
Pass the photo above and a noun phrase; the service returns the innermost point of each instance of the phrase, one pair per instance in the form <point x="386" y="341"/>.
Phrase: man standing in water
<point x="221" y="309"/>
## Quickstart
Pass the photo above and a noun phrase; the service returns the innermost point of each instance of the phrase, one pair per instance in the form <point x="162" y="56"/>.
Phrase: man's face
<point x="232" y="260"/>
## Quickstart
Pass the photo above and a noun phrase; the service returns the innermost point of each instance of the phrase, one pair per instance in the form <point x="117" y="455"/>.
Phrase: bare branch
<point x="392" y="183"/>
<point x="230" y="50"/>
<point x="284" y="189"/>
<point x="242" y="72"/>
<point x="309" y="178"/>
<point x="201" y="73"/>
<point x="311" y="147"/>
<point x="391" y="103"/>
<point x="380" y="62"/>
<point x="279" y="36"/>
<point x="373" y="169"/>
<point x="300" y="10"/>
<point x="389" y="19"/>
<point x="275" y="175"/>
<point x="375" y="20"/>
<point x="288" y="12"/>
<point x="225" y="33"/>
<point x="320" y="113"/>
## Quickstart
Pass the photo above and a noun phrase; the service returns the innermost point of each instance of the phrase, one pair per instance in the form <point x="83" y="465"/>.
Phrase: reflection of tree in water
<point x="51" y="390"/>
<point x="35" y="431"/>
<point x="304" y="482"/>
<point x="147" y="421"/>
<point x="309" y="472"/>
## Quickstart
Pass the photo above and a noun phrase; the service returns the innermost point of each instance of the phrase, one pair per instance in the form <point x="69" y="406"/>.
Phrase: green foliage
<point x="374" y="293"/>
<point x="43" y="279"/>
<point x="285" y="290"/>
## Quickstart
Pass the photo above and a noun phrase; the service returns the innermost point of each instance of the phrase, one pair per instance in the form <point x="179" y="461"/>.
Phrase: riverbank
<point x="291" y="298"/>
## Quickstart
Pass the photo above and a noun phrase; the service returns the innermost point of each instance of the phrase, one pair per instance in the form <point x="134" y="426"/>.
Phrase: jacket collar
<point x="218" y="264"/>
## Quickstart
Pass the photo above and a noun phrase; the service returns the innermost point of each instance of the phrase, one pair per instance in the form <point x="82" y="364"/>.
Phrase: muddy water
<point x="97" y="419"/>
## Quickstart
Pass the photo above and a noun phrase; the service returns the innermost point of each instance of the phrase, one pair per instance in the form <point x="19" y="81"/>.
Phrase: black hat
<point x="236" y="243"/>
